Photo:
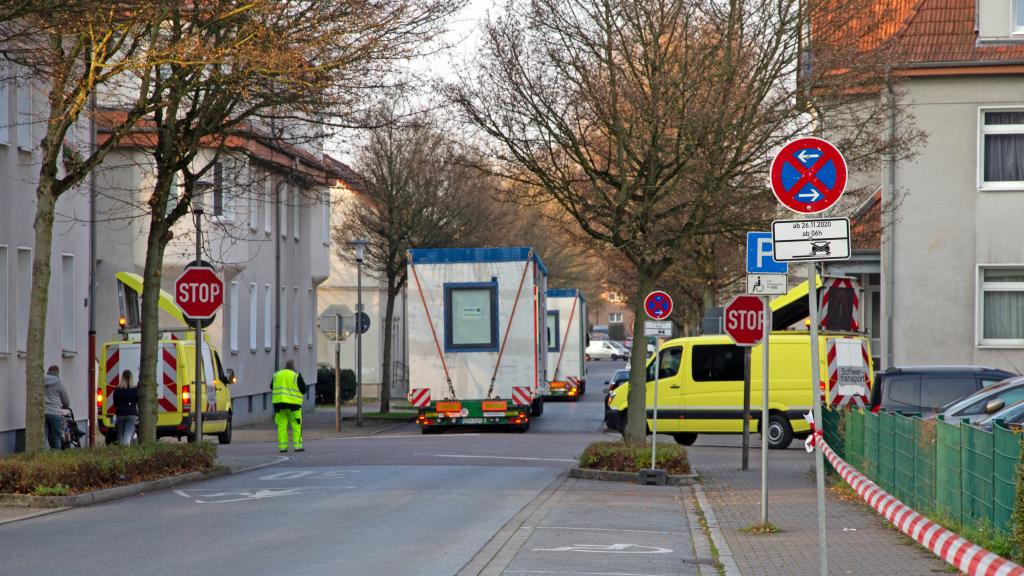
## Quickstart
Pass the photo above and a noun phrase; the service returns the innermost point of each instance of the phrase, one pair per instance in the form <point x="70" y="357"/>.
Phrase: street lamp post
<point x="360" y="248"/>
<point x="197" y="216"/>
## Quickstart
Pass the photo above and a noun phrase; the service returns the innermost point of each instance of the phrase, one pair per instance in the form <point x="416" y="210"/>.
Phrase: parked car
<point x="1012" y="417"/>
<point x="606" y="350"/>
<point x="985" y="402"/>
<point x="628" y="342"/>
<point x="618" y="378"/>
<point x="927" y="389"/>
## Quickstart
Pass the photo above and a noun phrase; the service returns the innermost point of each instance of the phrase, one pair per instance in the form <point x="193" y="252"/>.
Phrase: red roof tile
<point x="943" y="32"/>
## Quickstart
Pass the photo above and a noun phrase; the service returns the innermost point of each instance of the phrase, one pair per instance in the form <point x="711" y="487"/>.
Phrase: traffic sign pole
<point x="766" y="333"/>
<point x="745" y="459"/>
<point x="819" y="460"/>
<point x="654" y="424"/>
<point x="198" y="411"/>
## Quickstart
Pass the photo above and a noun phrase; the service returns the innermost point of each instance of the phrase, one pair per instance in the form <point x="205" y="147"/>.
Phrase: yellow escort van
<point x="176" y="365"/>
<point x="700" y="387"/>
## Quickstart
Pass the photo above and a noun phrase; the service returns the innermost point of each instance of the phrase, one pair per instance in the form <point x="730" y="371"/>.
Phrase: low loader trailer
<point x="567" y="342"/>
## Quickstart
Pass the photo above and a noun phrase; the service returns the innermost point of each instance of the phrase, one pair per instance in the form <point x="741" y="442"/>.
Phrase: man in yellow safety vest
<point x="288" y="390"/>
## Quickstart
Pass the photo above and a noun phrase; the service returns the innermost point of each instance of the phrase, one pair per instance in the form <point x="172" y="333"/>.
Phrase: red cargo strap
<point x="437" y="343"/>
<point x="504" y="340"/>
<point x="567" y="326"/>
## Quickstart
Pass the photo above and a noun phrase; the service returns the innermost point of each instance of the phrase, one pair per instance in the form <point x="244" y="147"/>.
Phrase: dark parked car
<point x="985" y="402"/>
<point x="927" y="389"/>
<point x="618" y="378"/>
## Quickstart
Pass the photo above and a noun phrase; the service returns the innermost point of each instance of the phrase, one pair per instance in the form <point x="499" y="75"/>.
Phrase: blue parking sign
<point x="759" y="255"/>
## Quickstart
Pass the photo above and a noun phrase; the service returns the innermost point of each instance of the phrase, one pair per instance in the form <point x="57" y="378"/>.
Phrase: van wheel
<point x="685" y="438"/>
<point x="225" y="436"/>
<point x="780" y="433"/>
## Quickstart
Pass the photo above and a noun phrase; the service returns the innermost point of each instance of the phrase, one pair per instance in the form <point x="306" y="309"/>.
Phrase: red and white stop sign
<point x="744" y="320"/>
<point x="199" y="292"/>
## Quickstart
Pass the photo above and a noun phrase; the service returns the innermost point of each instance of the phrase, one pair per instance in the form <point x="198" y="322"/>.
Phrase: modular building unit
<point x="477" y="341"/>
<point x="567" y="340"/>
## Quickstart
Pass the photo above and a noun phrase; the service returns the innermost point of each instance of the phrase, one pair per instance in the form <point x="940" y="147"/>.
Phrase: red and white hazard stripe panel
<point x="113" y="378"/>
<point x="846" y="283"/>
<point x="957" y="551"/>
<point x="522" y="395"/>
<point x="168" y="396"/>
<point x="420" y="397"/>
<point x="832" y="354"/>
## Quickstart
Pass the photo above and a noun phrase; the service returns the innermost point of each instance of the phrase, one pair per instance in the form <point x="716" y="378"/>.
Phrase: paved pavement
<point x="860" y="541"/>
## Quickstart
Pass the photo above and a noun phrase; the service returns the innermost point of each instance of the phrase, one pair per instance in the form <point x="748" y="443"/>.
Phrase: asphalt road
<point x="392" y="504"/>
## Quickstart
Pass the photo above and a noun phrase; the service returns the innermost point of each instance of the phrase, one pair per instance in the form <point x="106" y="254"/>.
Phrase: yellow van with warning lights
<point x="700" y="386"/>
<point x="176" y="367"/>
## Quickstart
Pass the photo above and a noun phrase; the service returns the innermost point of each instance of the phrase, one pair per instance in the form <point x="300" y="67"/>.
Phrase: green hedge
<point x="617" y="456"/>
<point x="325" y="385"/>
<point x="102" y="467"/>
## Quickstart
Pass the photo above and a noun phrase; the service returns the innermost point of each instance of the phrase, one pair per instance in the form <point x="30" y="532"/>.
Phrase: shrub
<point x="617" y="456"/>
<point x="325" y="384"/>
<point x="1017" y="519"/>
<point x="74" y="471"/>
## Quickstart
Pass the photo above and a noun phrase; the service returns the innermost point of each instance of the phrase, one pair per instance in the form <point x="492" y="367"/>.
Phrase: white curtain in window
<point x="1004" y="315"/>
<point x="1004" y="152"/>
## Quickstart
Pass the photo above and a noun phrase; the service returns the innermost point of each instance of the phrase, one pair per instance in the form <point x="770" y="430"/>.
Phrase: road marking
<point x="609" y="530"/>
<point x="307" y="475"/>
<point x="608" y="549"/>
<point x="526" y="458"/>
<point x="581" y="573"/>
<point x="404" y="436"/>
<point x="236" y="495"/>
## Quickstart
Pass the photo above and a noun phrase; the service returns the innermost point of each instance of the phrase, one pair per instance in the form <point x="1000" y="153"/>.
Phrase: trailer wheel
<point x="537" y="408"/>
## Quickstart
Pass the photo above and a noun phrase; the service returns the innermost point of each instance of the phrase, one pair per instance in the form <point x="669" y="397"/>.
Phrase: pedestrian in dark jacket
<point x="126" y="407"/>
<point x="55" y="402"/>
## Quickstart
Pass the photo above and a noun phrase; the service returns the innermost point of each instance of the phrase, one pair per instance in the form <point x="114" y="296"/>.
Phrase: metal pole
<point x="765" y="338"/>
<point x="337" y="377"/>
<point x="654" y="424"/>
<point x="359" y="343"/>
<point x="745" y="458"/>
<point x="198" y="410"/>
<point x="819" y="461"/>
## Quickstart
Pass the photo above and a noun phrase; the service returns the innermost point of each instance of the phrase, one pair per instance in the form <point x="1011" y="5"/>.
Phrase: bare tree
<point x="651" y="122"/>
<point x="69" y="49"/>
<point x="418" y="190"/>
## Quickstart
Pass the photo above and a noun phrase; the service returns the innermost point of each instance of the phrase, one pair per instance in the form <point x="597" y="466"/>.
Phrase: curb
<point x="108" y="494"/>
<point x="725" y="556"/>
<point x="632" y="477"/>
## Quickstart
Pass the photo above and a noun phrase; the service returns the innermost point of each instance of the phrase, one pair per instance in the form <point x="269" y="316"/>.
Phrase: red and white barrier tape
<point x="961" y="553"/>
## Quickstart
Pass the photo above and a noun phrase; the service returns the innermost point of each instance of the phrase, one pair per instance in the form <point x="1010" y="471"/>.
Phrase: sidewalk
<point x="860" y="542"/>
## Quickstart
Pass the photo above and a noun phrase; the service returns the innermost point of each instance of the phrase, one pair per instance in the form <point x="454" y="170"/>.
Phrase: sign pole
<point x="199" y="343"/>
<point x="819" y="461"/>
<point x="654" y="424"/>
<point x="745" y="461"/>
<point x="337" y="376"/>
<point x="764" y="409"/>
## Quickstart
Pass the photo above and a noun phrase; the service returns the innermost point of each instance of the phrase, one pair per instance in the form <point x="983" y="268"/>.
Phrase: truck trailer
<point x="567" y="341"/>
<point x="477" y="338"/>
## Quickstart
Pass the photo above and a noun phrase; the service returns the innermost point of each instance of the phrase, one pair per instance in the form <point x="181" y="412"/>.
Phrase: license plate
<point x="472" y="420"/>
<point x="494" y="414"/>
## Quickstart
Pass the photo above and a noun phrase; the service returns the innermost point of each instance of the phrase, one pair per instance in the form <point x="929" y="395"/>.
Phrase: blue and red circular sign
<point x="808" y="175"/>
<point x="658" y="305"/>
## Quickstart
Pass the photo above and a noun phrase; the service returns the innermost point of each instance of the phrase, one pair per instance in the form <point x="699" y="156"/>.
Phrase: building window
<point x="5" y="330"/>
<point x="67" y="300"/>
<point x="5" y="119"/>
<point x="268" y="198"/>
<point x="282" y="304"/>
<point x="1018" y="15"/>
<point x="311" y="306"/>
<point x="615" y="317"/>
<point x="1002" y="306"/>
<point x="233" y="315"/>
<point x="1002" y="162"/>
<point x="24" y="110"/>
<point x="325" y="209"/>
<point x="282" y="210"/>
<point x="254" y="201"/>
<point x="296" y="214"/>
<point x="471" y="317"/>
<point x="553" y="332"/>
<point x="268" y="316"/>
<point x="254" y="313"/>
<point x="24" y="294"/>
<point x="296" y="317"/>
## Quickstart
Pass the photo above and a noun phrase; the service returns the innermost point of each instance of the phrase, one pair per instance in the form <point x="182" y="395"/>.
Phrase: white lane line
<point x="563" y="573"/>
<point x="608" y="530"/>
<point x="405" y="436"/>
<point x="526" y="458"/>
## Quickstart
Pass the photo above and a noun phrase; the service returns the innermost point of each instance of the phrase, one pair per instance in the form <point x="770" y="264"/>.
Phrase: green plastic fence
<point x="960" y="472"/>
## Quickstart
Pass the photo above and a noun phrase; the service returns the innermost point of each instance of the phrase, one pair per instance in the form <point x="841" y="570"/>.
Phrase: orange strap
<point x="504" y="340"/>
<point x="437" y="343"/>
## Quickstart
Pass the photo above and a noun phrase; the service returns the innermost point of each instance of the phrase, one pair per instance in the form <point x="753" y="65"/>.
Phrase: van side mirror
<point x="231" y="377"/>
<point x="995" y="405"/>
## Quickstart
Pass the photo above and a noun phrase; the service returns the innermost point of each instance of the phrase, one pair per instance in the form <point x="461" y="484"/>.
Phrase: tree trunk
<point x="35" y="343"/>
<point x="385" y="384"/>
<point x="636" y="410"/>
<point x="151" y="275"/>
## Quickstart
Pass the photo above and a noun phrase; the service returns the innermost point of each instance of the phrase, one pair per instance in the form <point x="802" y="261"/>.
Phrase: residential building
<point x="611" y="314"/>
<point x="67" y="320"/>
<point x="338" y="294"/>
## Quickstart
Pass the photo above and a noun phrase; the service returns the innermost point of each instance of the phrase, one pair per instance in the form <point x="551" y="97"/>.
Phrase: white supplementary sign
<point x="657" y="328"/>
<point x="608" y="549"/>
<point x="819" y="239"/>
<point x="766" y="284"/>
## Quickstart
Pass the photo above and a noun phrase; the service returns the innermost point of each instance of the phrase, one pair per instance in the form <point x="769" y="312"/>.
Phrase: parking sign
<point x="759" y="255"/>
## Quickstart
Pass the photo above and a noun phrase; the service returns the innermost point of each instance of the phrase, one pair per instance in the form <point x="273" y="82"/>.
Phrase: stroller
<point x="71" y="435"/>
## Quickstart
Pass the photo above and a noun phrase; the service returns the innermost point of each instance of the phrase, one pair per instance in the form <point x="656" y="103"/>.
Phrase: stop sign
<point x="199" y="292"/>
<point x="744" y="318"/>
